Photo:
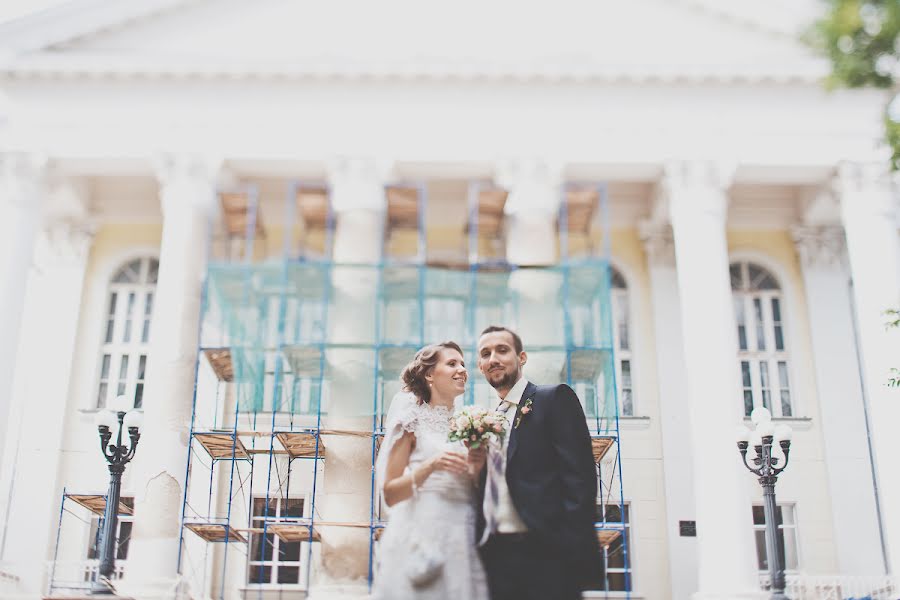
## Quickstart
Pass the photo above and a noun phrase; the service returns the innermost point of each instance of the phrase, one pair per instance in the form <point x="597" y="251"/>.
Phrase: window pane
<point x="260" y="551"/>
<point x="101" y="395"/>
<point x="123" y="375"/>
<point x="129" y="311"/>
<point x="759" y="515"/>
<point x="735" y="272"/>
<point x="762" y="563"/>
<point x="124" y="539"/>
<point x="139" y="395"/>
<point x="760" y="333"/>
<point x="741" y="322"/>
<point x="259" y="574"/>
<point x="745" y="373"/>
<point x="288" y="574"/>
<point x="289" y="551"/>
<point x="142" y="366"/>
<point x="153" y="271"/>
<point x="764" y="383"/>
<point x="292" y="507"/>
<point x="148" y="310"/>
<point x="786" y="410"/>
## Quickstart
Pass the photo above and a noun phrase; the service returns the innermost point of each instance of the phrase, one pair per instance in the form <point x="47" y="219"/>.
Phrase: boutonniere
<point x="523" y="412"/>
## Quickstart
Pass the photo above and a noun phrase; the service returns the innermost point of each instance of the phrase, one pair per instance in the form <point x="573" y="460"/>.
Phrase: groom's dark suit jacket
<point x="552" y="477"/>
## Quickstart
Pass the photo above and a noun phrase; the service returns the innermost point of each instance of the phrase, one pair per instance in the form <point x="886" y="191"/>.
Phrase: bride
<point x="428" y="547"/>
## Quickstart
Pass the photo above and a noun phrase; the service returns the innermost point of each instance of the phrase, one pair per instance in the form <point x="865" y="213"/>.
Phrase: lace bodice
<point x="431" y="426"/>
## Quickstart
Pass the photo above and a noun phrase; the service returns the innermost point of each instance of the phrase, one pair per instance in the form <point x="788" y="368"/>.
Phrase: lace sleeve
<point x="408" y="420"/>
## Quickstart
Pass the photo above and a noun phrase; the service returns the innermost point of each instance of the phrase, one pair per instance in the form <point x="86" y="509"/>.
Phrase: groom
<point x="539" y="501"/>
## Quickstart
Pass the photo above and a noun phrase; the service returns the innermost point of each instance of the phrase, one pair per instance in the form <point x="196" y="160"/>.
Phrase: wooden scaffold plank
<point x="607" y="536"/>
<point x="601" y="446"/>
<point x="220" y="361"/>
<point x="294" y="532"/>
<point x="580" y="206"/>
<point x="312" y="206"/>
<point x="222" y="445"/>
<point x="301" y="444"/>
<point x="236" y="215"/>
<point x="402" y="208"/>
<point x="97" y="503"/>
<point x="213" y="532"/>
<point x="491" y="204"/>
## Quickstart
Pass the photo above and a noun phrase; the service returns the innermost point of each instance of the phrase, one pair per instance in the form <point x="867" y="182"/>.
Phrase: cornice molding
<point x="137" y="67"/>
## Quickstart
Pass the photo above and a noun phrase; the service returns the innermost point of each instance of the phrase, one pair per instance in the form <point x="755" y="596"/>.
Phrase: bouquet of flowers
<point x="476" y="426"/>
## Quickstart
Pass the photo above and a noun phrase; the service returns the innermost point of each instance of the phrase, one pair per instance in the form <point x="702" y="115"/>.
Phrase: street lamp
<point x="762" y="439"/>
<point x="117" y="455"/>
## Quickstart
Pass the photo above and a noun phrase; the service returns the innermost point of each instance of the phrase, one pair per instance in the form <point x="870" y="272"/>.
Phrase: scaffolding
<point x="273" y="337"/>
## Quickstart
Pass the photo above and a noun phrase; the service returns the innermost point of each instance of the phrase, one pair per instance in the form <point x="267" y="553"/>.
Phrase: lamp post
<point x="117" y="455"/>
<point x="767" y="469"/>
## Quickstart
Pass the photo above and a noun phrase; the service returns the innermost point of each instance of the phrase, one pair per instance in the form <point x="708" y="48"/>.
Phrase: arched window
<point x="762" y="347"/>
<point x="126" y="332"/>
<point x="622" y="341"/>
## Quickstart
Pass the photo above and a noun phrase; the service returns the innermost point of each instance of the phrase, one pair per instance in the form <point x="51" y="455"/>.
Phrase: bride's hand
<point x="476" y="459"/>
<point x="454" y="462"/>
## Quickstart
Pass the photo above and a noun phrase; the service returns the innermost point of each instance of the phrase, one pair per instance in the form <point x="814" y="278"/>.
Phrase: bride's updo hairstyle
<point x="413" y="376"/>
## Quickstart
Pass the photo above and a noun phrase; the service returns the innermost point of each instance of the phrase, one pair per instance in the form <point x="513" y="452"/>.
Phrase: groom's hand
<point x="476" y="459"/>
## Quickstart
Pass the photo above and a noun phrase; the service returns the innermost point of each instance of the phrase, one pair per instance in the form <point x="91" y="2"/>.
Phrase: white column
<point x="358" y="202"/>
<point x="698" y="204"/>
<point x="675" y="421"/>
<point x="38" y="432"/>
<point x="532" y="208"/>
<point x="868" y="208"/>
<point x="850" y="483"/>
<point x="187" y="194"/>
<point x="21" y="196"/>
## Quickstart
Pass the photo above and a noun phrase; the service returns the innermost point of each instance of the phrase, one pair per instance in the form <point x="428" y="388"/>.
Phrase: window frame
<point x="794" y="527"/>
<point x="273" y="563"/>
<point x="127" y="307"/>
<point x="761" y="358"/>
<point x="628" y="537"/>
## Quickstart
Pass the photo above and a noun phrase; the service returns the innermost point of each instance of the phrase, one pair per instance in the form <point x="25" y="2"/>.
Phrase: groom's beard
<point x="506" y="381"/>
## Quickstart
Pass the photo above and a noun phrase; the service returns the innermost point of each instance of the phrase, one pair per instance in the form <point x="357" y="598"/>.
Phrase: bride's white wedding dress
<point x="441" y="515"/>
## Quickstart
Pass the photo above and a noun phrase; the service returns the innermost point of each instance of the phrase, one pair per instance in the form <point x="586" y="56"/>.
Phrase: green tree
<point x="861" y="38"/>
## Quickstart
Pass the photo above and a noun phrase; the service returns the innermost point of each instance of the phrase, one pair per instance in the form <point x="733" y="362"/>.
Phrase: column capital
<point x="68" y="228"/>
<point x="697" y="185"/>
<point x="357" y="182"/>
<point x="659" y="243"/>
<point x="533" y="184"/>
<point x="866" y="188"/>
<point x="819" y="246"/>
<point x="22" y="175"/>
<point x="187" y="180"/>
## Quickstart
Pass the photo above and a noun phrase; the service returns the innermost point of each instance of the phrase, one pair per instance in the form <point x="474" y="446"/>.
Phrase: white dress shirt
<point x="508" y="519"/>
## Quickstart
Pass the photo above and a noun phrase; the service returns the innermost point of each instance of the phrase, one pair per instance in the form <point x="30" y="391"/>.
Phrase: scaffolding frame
<point x="259" y="297"/>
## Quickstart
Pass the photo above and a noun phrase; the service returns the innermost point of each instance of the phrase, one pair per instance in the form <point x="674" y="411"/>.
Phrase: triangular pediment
<point x="663" y="37"/>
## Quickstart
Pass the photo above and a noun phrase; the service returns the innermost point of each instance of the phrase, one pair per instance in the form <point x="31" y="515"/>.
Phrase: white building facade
<point x="753" y="236"/>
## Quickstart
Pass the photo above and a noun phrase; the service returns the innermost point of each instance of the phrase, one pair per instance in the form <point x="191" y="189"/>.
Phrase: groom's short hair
<point x="517" y="341"/>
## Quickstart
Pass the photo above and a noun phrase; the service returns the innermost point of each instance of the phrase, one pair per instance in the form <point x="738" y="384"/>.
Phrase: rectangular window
<point x="785" y="537"/>
<point x="123" y="533"/>
<point x="270" y="559"/>
<point x="104" y="381"/>
<point x="622" y="325"/>
<point x="616" y="555"/>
